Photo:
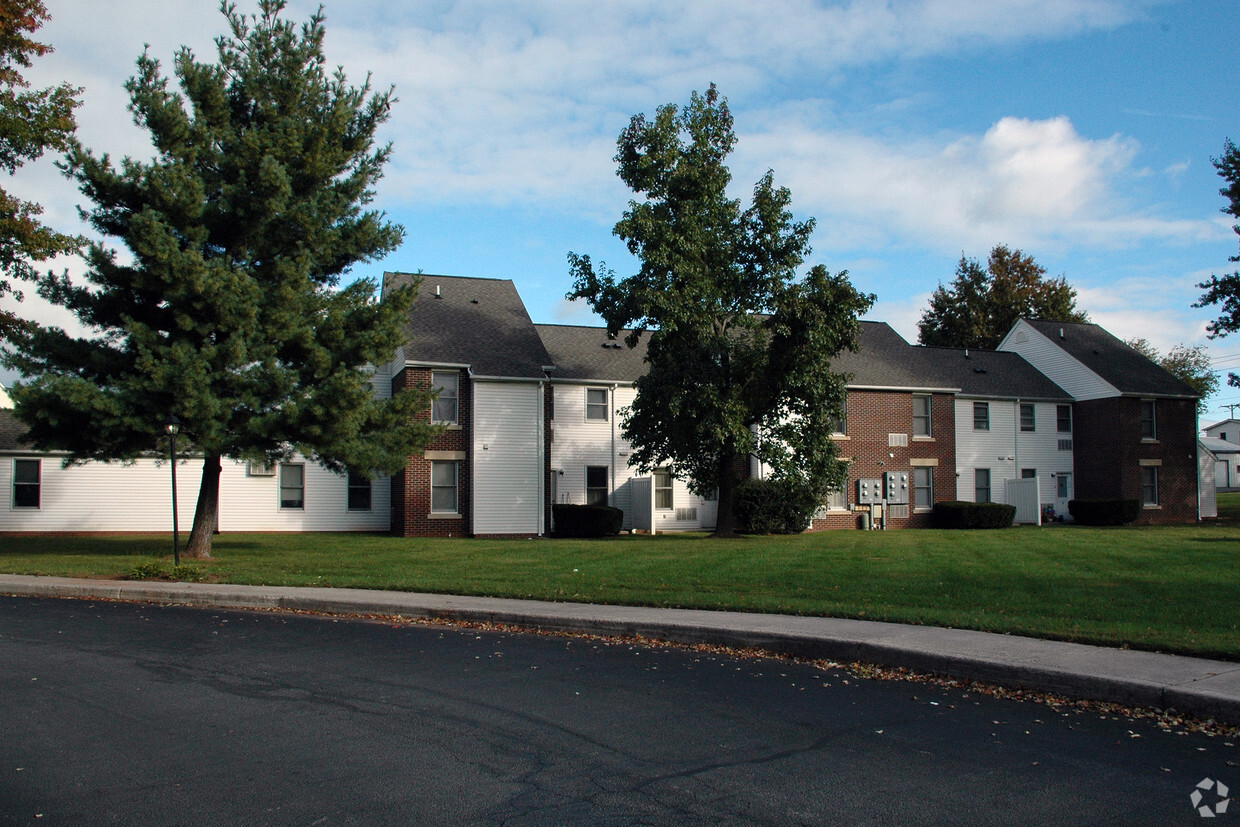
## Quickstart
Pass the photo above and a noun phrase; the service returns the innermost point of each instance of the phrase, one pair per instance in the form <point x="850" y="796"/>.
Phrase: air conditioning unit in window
<point x="1065" y="445"/>
<point x="260" y="469"/>
<point x="686" y="514"/>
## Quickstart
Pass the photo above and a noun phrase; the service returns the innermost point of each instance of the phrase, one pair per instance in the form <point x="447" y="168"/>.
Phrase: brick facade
<point x="411" y="488"/>
<point x="872" y="417"/>
<point x="1110" y="452"/>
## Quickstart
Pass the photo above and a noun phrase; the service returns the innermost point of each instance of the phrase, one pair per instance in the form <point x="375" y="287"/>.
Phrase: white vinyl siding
<point x="1078" y="381"/>
<point x="507" y="458"/>
<point x="992" y="448"/>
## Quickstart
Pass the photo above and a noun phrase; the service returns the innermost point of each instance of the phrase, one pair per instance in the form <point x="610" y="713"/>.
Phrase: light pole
<point x="172" y="425"/>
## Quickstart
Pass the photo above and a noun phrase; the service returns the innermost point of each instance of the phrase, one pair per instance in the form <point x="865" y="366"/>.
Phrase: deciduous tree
<point x="229" y="312"/>
<point x="1189" y="364"/>
<point x="740" y="348"/>
<point x="32" y="121"/>
<point x="1225" y="290"/>
<point x="982" y="304"/>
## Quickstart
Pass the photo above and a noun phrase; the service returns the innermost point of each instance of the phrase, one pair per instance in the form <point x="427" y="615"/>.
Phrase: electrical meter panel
<point x="895" y="487"/>
<point x="869" y="491"/>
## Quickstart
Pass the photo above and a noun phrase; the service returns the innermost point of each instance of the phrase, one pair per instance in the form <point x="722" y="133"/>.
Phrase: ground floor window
<point x="359" y="492"/>
<point x="836" y="500"/>
<point x="663" y="489"/>
<point x="1028" y="473"/>
<point x="981" y="485"/>
<point x="923" y="488"/>
<point x="1149" y="484"/>
<point x="26" y="483"/>
<point x="292" y="485"/>
<point x="444" y="487"/>
<point x="596" y="485"/>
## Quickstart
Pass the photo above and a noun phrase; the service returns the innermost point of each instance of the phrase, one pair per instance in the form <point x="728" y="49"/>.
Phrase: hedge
<point x="1104" y="512"/>
<point x="959" y="514"/>
<point x="772" y="507"/>
<point x="586" y="520"/>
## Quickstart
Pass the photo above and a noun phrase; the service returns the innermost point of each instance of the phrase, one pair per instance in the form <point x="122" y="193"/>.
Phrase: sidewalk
<point x="1194" y="686"/>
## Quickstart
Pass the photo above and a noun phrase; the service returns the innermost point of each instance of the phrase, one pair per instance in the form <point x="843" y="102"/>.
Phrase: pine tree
<point x="231" y="314"/>
<point x="740" y="348"/>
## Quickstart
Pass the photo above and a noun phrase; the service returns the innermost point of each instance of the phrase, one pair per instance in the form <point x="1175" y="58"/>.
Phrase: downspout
<point x="1016" y="452"/>
<point x="612" y="463"/>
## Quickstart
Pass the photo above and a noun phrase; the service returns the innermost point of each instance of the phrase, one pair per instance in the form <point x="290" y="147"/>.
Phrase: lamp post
<point x="172" y="425"/>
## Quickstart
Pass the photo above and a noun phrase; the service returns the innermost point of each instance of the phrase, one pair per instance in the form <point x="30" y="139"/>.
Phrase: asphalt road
<point x="135" y="714"/>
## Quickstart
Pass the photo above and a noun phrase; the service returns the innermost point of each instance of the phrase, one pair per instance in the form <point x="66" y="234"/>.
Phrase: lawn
<point x="1172" y="589"/>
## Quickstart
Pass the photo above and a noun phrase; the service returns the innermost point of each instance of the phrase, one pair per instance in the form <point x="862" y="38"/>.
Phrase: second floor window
<point x="1026" y="416"/>
<point x="981" y="416"/>
<point x="596" y="403"/>
<point x="1149" y="421"/>
<point x="446" y="408"/>
<point x="921" y="415"/>
<point x="1063" y="419"/>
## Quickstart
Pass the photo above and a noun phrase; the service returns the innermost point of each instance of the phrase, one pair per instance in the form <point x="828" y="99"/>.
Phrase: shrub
<point x="1104" y="512"/>
<point x="958" y="514"/>
<point x="772" y="507"/>
<point x="586" y="520"/>
<point x="156" y="571"/>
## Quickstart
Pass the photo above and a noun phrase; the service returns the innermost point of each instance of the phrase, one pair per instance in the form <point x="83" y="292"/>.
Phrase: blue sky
<point x="1080" y="131"/>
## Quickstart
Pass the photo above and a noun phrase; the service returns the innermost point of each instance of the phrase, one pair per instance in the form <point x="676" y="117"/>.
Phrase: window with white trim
<point x="1149" y="484"/>
<point x="27" y="482"/>
<point x="359" y="492"/>
<point x="1063" y="419"/>
<point x="1149" y="420"/>
<point x="292" y="485"/>
<point x="981" y="485"/>
<point x="981" y="416"/>
<point x="596" y="403"/>
<point x="1027" y="422"/>
<point x="444" y="487"/>
<point x="923" y="487"/>
<point x="663" y="489"/>
<point x="596" y="485"/>
<point x="921" y="414"/>
<point x="446" y="409"/>
<point x="836" y="500"/>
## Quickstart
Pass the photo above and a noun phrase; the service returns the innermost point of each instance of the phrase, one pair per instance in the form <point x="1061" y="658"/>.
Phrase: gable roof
<point x="581" y="352"/>
<point x="992" y="373"/>
<point x="481" y="323"/>
<point x="1124" y="368"/>
<point x="1225" y="423"/>
<point x="885" y="360"/>
<point x="1218" y="447"/>
<point x="12" y="432"/>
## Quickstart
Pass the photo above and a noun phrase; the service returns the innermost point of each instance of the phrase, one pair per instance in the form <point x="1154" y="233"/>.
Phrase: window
<point x="596" y="403"/>
<point x="359" y="492"/>
<point x="1149" y="484"/>
<point x="292" y="486"/>
<point x="663" y="489"/>
<point x="1149" y="424"/>
<point x="839" y="424"/>
<point x="1028" y="473"/>
<point x="981" y="416"/>
<point x="446" y="409"/>
<point x="596" y="485"/>
<point x="1026" y="416"/>
<point x="836" y="500"/>
<point x="444" y="487"/>
<point x="26" y="483"/>
<point x="1063" y="486"/>
<point x="981" y="485"/>
<point x="921" y="415"/>
<point x="1063" y="419"/>
<point x="923" y="488"/>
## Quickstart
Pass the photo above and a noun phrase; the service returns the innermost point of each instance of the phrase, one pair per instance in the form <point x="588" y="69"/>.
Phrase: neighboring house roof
<point x="1229" y="424"/>
<point x="1218" y="447"/>
<point x="1107" y="356"/>
<point x="587" y="353"/>
<point x="885" y="360"/>
<point x="12" y="432"/>
<point x="481" y="323"/>
<point x="992" y="373"/>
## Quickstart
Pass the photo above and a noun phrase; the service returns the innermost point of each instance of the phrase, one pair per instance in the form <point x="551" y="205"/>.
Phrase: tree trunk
<point x="725" y="522"/>
<point x="207" y="511"/>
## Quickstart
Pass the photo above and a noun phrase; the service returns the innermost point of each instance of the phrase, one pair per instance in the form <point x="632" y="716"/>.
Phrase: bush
<point x="1104" y="512"/>
<point x="958" y="514"/>
<point x="586" y="520"/>
<point x="772" y="507"/>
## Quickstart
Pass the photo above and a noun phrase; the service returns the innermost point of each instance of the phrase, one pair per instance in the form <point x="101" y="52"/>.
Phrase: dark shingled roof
<point x="992" y="373"/>
<point x="587" y="353"/>
<point x="885" y="360"/>
<point x="1126" y="369"/>
<point x="12" y="432"/>
<point x="477" y="322"/>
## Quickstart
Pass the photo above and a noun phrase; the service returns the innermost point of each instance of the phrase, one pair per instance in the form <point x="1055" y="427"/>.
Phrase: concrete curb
<point x="1202" y="688"/>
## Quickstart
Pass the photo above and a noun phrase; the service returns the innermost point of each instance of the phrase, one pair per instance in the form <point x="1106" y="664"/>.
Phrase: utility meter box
<point x="895" y="487"/>
<point x="869" y="491"/>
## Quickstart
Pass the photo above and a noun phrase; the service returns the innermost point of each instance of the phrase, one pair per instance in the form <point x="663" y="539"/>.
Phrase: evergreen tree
<point x="982" y="304"/>
<point x="740" y="349"/>
<point x="231" y="315"/>
<point x="1225" y="289"/>
<point x="31" y="122"/>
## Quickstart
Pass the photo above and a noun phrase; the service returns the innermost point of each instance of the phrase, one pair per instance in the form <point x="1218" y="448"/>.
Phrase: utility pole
<point x="1231" y="409"/>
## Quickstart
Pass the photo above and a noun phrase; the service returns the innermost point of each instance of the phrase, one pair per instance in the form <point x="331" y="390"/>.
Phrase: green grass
<point x="1168" y="588"/>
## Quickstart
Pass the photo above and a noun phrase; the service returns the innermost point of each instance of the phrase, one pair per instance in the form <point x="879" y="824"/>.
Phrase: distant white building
<point x="5" y="402"/>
